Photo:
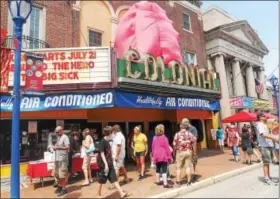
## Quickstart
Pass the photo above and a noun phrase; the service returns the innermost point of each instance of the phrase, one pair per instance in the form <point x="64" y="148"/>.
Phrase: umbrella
<point x="242" y="116"/>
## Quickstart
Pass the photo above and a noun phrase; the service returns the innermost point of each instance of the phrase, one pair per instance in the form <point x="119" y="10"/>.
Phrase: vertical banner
<point x="5" y="59"/>
<point x="34" y="73"/>
<point x="32" y="127"/>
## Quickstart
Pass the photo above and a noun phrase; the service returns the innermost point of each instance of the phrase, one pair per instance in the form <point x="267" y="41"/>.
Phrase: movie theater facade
<point x="91" y="88"/>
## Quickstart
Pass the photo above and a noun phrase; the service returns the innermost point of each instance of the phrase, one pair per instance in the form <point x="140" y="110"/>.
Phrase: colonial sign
<point x="153" y="69"/>
<point x="71" y="66"/>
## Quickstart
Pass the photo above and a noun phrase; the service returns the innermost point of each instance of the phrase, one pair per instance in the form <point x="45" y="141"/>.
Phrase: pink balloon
<point x="146" y="28"/>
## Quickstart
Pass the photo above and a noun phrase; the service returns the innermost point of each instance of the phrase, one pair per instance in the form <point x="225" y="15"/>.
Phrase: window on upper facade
<point x="94" y="38"/>
<point x="190" y="58"/>
<point x="33" y="30"/>
<point x="187" y="22"/>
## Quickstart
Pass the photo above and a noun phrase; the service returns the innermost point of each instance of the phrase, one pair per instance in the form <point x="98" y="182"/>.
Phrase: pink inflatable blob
<point x="146" y="28"/>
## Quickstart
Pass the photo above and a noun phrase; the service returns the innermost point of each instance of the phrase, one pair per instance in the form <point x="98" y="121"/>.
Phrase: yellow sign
<point x="262" y="104"/>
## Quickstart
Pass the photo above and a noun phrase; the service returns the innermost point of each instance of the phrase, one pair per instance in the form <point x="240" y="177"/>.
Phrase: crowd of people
<point x="111" y="150"/>
<point x="260" y="139"/>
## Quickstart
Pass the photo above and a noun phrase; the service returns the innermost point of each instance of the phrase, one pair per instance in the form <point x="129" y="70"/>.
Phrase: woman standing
<point x="246" y="144"/>
<point x="86" y="153"/>
<point x="140" y="148"/>
<point x="161" y="155"/>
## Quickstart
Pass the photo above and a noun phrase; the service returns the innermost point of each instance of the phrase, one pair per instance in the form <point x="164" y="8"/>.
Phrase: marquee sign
<point x="71" y="66"/>
<point x="153" y="69"/>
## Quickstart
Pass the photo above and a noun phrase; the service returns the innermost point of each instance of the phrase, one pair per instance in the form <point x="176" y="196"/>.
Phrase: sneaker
<point x="62" y="192"/>
<point x="275" y="180"/>
<point x="269" y="182"/>
<point x="189" y="183"/>
<point x="55" y="185"/>
<point x="58" y="189"/>
<point x="141" y="177"/>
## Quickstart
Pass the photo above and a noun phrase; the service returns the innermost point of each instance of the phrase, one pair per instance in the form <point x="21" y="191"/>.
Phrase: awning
<point x="242" y="116"/>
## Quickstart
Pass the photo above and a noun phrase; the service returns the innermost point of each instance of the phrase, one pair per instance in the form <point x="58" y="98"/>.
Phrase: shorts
<point x="267" y="155"/>
<point x="235" y="150"/>
<point x="86" y="162"/>
<point x="119" y="164"/>
<point x="102" y="178"/>
<point x="184" y="159"/>
<point x="221" y="142"/>
<point x="138" y="154"/>
<point x="61" y="169"/>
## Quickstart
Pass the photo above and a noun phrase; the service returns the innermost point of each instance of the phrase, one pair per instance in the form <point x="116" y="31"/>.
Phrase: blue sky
<point x="263" y="16"/>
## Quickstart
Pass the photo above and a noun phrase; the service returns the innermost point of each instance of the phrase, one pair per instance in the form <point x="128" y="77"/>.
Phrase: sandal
<point x="126" y="195"/>
<point x="85" y="184"/>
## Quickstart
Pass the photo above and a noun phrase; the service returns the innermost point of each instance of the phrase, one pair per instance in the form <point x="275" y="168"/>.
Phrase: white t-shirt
<point x="262" y="129"/>
<point x="118" y="139"/>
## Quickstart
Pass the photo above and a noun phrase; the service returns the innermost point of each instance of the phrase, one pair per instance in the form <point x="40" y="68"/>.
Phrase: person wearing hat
<point x="194" y="132"/>
<point x="61" y="149"/>
<point x="184" y="146"/>
<point x="265" y="140"/>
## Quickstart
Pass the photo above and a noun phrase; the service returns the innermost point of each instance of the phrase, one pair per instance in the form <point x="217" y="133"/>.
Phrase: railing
<point x="27" y="42"/>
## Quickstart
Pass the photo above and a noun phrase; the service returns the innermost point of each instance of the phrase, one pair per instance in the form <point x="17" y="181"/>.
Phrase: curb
<point x="205" y="183"/>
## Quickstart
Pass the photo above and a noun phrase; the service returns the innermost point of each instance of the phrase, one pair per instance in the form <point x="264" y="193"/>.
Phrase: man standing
<point x="193" y="131"/>
<point x="61" y="149"/>
<point x="185" y="147"/>
<point x="266" y="147"/>
<point x="118" y="151"/>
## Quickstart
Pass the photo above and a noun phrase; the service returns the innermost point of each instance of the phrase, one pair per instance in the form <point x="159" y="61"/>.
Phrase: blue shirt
<point x="220" y="134"/>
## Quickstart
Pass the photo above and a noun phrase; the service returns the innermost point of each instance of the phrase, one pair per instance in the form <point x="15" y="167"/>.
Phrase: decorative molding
<point x="123" y="7"/>
<point x="114" y="20"/>
<point x="218" y="54"/>
<point x="188" y="6"/>
<point x="77" y="6"/>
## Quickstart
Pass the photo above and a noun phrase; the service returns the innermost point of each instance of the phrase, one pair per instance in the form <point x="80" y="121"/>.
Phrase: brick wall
<point x="62" y="22"/>
<point x="193" y="42"/>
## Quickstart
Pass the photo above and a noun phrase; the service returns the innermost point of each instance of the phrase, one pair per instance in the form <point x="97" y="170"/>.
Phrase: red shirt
<point x="233" y="136"/>
<point x="180" y="140"/>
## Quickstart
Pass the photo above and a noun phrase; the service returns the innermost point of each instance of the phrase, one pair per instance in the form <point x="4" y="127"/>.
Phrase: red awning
<point x="270" y="116"/>
<point x="242" y="116"/>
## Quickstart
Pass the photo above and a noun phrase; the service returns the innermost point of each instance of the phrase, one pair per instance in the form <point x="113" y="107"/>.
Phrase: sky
<point x="263" y="16"/>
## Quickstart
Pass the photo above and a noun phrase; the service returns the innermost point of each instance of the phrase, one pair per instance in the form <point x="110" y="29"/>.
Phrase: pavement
<point x="211" y="163"/>
<point x="247" y="185"/>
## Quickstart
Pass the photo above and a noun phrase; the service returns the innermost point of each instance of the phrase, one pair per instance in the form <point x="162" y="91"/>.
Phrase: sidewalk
<point x="211" y="163"/>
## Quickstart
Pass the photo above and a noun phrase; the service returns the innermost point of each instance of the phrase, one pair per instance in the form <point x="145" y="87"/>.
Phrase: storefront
<point x="107" y="95"/>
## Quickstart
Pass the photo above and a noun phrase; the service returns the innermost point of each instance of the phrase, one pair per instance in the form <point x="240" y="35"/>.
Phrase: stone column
<point x="262" y="79"/>
<point x="250" y="81"/>
<point x="238" y="84"/>
<point x="225" y="101"/>
<point x="114" y="23"/>
<point x="229" y="80"/>
<point x="209" y="64"/>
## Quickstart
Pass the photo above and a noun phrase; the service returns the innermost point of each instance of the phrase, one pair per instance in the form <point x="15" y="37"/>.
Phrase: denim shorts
<point x="235" y="150"/>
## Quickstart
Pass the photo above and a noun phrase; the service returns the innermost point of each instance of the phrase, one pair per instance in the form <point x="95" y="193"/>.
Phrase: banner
<point x="261" y="104"/>
<point x="135" y="100"/>
<point x="248" y="102"/>
<point x="241" y="102"/>
<point x="5" y="59"/>
<point x="64" y="101"/>
<point x="34" y="73"/>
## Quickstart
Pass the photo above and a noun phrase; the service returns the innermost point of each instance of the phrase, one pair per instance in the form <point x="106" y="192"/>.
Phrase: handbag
<point x="91" y="148"/>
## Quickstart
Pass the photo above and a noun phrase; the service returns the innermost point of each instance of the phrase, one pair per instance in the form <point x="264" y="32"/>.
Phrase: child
<point x="105" y="164"/>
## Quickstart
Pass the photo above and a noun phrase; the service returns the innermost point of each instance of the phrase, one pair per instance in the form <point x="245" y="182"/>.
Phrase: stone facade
<point x="234" y="50"/>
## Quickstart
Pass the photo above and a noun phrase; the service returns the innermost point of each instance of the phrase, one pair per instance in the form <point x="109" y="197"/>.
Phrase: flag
<point x="5" y="60"/>
<point x="259" y="86"/>
<point x="3" y="35"/>
<point x="236" y="102"/>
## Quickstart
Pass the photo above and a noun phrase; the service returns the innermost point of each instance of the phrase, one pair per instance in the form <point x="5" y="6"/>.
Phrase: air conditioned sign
<point x="71" y="66"/>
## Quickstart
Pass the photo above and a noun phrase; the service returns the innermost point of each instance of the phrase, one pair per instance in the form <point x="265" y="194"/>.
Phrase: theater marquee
<point x="71" y="66"/>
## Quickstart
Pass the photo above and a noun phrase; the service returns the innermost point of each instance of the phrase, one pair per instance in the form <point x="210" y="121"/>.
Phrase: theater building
<point x="88" y="87"/>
